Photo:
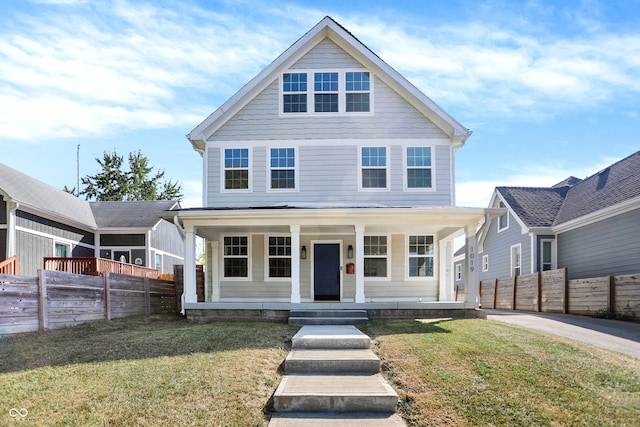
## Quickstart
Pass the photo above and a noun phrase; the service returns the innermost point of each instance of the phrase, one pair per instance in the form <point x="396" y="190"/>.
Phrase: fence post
<point x="539" y="305"/>
<point x="611" y="296"/>
<point x="495" y="293"/>
<point x="515" y="286"/>
<point x="147" y="297"/>
<point x="107" y="295"/>
<point x="565" y="293"/>
<point x="43" y="318"/>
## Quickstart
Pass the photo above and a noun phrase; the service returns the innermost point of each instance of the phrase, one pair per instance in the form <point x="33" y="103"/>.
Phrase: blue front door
<point x="326" y="271"/>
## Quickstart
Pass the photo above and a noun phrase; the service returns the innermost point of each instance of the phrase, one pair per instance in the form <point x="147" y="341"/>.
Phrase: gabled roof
<point x="328" y="28"/>
<point x="133" y="214"/>
<point x="41" y="197"/>
<point x="574" y="198"/>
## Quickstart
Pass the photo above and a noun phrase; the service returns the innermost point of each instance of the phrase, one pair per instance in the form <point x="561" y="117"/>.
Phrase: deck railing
<point x="9" y="266"/>
<point x="97" y="267"/>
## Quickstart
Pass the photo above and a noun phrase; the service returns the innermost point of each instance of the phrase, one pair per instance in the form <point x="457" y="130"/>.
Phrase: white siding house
<point x="328" y="178"/>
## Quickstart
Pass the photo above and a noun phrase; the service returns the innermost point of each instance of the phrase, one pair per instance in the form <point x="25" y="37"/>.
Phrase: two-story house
<point x="328" y="177"/>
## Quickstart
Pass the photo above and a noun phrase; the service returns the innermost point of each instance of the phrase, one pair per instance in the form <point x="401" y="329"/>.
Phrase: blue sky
<point x="549" y="89"/>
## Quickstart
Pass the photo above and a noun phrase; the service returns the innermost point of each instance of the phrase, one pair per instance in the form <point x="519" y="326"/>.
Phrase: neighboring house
<point x="38" y="221"/>
<point x="328" y="177"/>
<point x="589" y="226"/>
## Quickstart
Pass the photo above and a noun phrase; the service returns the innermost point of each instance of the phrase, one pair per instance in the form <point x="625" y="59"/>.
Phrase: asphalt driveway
<point x="614" y="335"/>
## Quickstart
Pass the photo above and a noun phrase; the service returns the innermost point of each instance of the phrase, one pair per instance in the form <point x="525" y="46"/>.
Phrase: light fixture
<point x="303" y="252"/>
<point x="350" y="251"/>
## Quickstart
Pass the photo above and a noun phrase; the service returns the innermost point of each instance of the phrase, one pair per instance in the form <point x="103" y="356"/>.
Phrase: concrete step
<point x="335" y="393"/>
<point x="336" y="420"/>
<point x="330" y="337"/>
<point x="328" y="313"/>
<point x="330" y="361"/>
<point x="328" y="320"/>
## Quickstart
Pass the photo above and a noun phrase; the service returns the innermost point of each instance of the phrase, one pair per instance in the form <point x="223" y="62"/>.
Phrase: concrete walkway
<point x="615" y="335"/>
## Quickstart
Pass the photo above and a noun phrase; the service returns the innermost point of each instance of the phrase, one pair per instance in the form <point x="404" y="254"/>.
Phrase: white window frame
<point x="386" y="167"/>
<point x="295" y="170"/>
<point x="553" y="253"/>
<point x="223" y="169"/>
<point x="268" y="278"/>
<point x="387" y="256"/>
<point x="409" y="256"/>
<point x="506" y="215"/>
<point x="342" y="97"/>
<point x="458" y="272"/>
<point x="248" y="256"/>
<point x="517" y="247"/>
<point x="485" y="262"/>
<point x="405" y="169"/>
<point x="59" y="243"/>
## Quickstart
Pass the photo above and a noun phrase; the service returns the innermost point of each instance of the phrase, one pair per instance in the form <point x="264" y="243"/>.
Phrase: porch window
<point x="373" y="163"/>
<point x="418" y="168"/>
<point x="357" y="88"/>
<point x="279" y="256"/>
<point x="236" y="256"/>
<point x="294" y="88"/>
<point x="421" y="252"/>
<point x="375" y="256"/>
<point x="236" y="169"/>
<point x="325" y="88"/>
<point x="516" y="260"/>
<point x="283" y="168"/>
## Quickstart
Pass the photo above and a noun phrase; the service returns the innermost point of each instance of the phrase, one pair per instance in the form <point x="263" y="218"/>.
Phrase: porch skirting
<point x="279" y="312"/>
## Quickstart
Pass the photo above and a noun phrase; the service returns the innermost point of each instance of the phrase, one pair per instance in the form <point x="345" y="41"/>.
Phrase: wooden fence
<point x="54" y="299"/>
<point x="550" y="291"/>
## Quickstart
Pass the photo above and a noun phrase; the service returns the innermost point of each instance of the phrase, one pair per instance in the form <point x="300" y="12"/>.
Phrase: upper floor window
<point x="282" y="167"/>
<point x="373" y="164"/>
<point x="329" y="91"/>
<point x="236" y="169"/>
<point x="375" y="256"/>
<point x="421" y="252"/>
<point x="357" y="89"/>
<point x="62" y="250"/>
<point x="503" y="221"/>
<point x="418" y="168"/>
<point x="294" y="88"/>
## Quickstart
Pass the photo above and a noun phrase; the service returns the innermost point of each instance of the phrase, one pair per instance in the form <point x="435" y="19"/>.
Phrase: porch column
<point x="359" y="263"/>
<point x="445" y="250"/>
<point x="213" y="265"/>
<point x="471" y="277"/>
<point x="295" y="263"/>
<point x="190" y="294"/>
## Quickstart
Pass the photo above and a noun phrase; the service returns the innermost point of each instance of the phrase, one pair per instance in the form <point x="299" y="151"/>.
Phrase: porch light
<point x="350" y="251"/>
<point x="303" y="252"/>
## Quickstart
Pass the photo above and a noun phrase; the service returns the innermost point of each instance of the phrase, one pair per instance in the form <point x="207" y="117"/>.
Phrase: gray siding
<point x="498" y="247"/>
<point x="53" y="228"/>
<point x="166" y="238"/>
<point x="608" y="247"/>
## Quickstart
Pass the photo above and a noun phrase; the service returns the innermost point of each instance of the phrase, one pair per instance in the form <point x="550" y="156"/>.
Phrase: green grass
<point x="163" y="370"/>
<point x="483" y="373"/>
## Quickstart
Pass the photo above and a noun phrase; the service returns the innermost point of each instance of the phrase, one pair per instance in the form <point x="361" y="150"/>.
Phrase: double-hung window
<point x="236" y="256"/>
<point x="236" y="169"/>
<point x="418" y="168"/>
<point x="421" y="252"/>
<point x="375" y="256"/>
<point x="294" y="90"/>
<point x="279" y="256"/>
<point x="373" y="163"/>
<point x="516" y="260"/>
<point x="358" y="89"/>
<point x="325" y="88"/>
<point x="503" y="221"/>
<point x="282" y="166"/>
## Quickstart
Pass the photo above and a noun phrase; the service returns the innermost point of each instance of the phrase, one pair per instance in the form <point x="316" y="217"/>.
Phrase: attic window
<point x="294" y="88"/>
<point x="357" y="88"/>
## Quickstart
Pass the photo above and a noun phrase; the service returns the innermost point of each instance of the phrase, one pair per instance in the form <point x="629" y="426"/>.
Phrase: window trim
<point x="408" y="256"/>
<point x="386" y="278"/>
<point x="553" y="254"/>
<point x="268" y="278"/>
<point x="223" y="169"/>
<point x="485" y="262"/>
<point x="295" y="170"/>
<point x="342" y="92"/>
<point x="405" y="169"/>
<point x="506" y="215"/>
<point x="361" y="168"/>
<point x="223" y="256"/>
<point x="511" y="253"/>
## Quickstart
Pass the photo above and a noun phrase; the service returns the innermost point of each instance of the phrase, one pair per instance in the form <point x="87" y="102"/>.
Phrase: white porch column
<point x="189" y="278"/>
<point x="213" y="262"/>
<point x="446" y="262"/>
<point x="295" y="263"/>
<point x="359" y="263"/>
<point x="471" y="277"/>
<point x="11" y="230"/>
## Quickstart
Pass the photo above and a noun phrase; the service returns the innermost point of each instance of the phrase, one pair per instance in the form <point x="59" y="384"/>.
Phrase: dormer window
<point x="330" y="91"/>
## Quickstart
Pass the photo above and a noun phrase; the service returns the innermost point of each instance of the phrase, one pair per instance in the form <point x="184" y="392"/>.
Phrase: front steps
<point x="328" y="317"/>
<point x="333" y="379"/>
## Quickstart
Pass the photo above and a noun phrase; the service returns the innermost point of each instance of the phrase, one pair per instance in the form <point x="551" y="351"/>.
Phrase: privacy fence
<point x="55" y="299"/>
<point x="550" y="291"/>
